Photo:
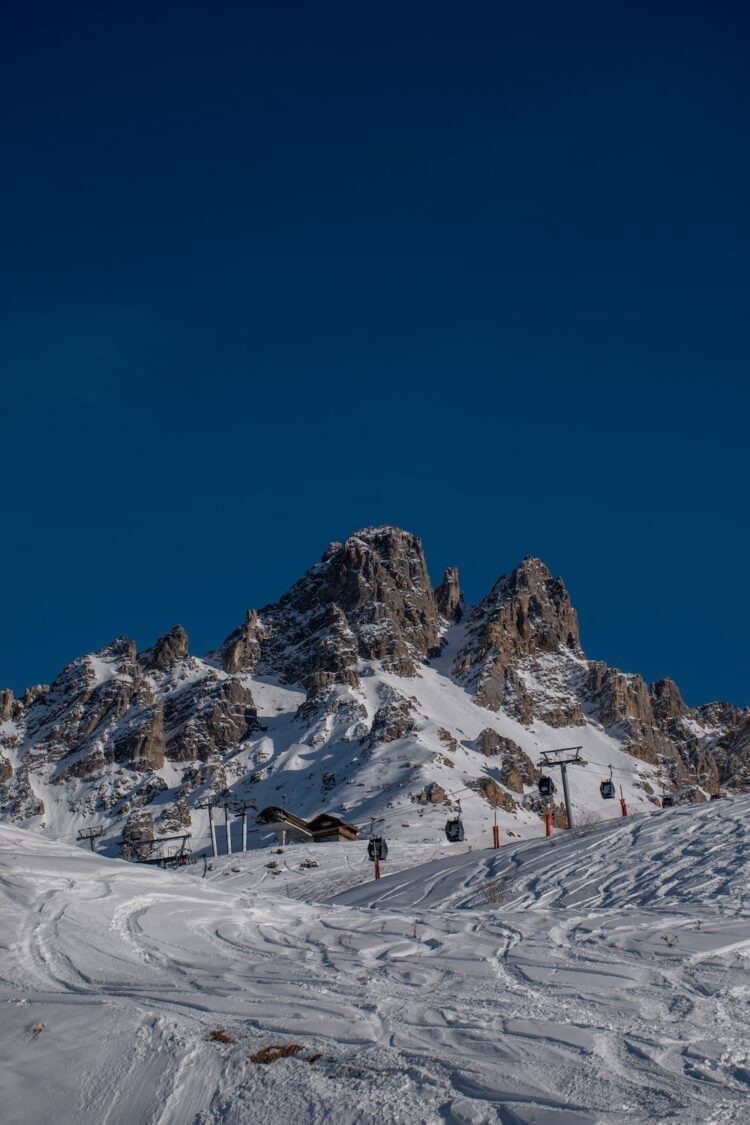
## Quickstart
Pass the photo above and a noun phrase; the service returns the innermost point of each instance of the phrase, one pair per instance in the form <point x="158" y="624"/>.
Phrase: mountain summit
<point x="369" y="598"/>
<point x="363" y="690"/>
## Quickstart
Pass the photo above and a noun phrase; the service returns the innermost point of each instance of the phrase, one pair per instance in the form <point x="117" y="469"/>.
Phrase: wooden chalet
<point x="293" y="829"/>
<point x="328" y="827"/>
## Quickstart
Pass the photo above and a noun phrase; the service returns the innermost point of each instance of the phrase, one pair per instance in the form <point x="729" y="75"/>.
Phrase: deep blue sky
<point x="272" y="272"/>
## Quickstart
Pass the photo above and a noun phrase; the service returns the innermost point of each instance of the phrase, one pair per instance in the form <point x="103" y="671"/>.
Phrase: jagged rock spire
<point x="168" y="650"/>
<point x="526" y="613"/>
<point x="385" y="609"/>
<point x="448" y="596"/>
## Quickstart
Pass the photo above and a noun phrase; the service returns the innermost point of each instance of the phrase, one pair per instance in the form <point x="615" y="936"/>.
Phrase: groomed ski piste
<point x="600" y="977"/>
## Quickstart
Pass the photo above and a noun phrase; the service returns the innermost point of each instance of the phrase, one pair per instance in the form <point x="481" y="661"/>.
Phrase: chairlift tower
<point x="241" y="807"/>
<point x="552" y="759"/>
<point x="91" y="834"/>
<point x="211" y="803"/>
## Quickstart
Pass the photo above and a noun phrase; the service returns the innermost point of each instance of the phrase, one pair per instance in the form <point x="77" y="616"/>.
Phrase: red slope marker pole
<point x="548" y="822"/>
<point x="496" y="833"/>
<point x="377" y="868"/>
<point x="623" y="805"/>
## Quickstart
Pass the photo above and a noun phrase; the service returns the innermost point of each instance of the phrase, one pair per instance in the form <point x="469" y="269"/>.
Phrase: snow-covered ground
<point x="598" y="978"/>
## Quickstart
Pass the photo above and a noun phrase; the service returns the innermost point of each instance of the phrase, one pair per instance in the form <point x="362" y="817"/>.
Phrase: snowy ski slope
<point x="610" y="983"/>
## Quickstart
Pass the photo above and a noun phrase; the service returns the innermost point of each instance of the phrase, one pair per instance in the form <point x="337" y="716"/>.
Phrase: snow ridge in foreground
<point x="610" y="984"/>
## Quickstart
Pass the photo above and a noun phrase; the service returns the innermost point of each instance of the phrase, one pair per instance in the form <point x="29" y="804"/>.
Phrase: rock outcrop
<point x="168" y="651"/>
<point x="9" y="708"/>
<point x="493" y="793"/>
<point x="369" y="598"/>
<point x="448" y="596"/>
<point x="526" y="614"/>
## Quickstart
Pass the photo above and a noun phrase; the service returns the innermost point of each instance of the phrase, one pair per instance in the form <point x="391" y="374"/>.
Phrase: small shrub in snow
<point x="585" y="824"/>
<point x="494" y="890"/>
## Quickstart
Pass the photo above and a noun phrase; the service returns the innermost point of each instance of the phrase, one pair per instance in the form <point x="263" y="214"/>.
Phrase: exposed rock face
<point x="6" y="769"/>
<point x="168" y="651"/>
<point x="491" y="743"/>
<point x="17" y="797"/>
<point x="176" y="818"/>
<point x="493" y="793"/>
<point x="393" y="719"/>
<point x="241" y="651"/>
<point x="432" y="794"/>
<point x="516" y="768"/>
<point x="138" y="831"/>
<point x="448" y="740"/>
<point x="7" y="705"/>
<point x="207" y="717"/>
<point x="732" y="747"/>
<point x="141" y="744"/>
<point x="368" y="598"/>
<point x="113" y="711"/>
<point x="448" y="596"/>
<point x="525" y="614"/>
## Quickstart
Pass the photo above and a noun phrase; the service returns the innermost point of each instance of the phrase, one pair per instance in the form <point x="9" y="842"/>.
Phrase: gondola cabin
<point x="607" y="790"/>
<point x="454" y="831"/>
<point x="377" y="848"/>
<point x="546" y="786"/>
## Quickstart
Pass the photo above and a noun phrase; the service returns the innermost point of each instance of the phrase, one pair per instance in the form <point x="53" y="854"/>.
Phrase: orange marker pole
<point x="623" y="805"/>
<point x="377" y="868"/>
<point x="495" y="836"/>
<point x="548" y="822"/>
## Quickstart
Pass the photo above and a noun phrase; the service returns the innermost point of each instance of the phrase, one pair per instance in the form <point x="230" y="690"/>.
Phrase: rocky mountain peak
<point x="525" y="614"/>
<point x="448" y="596"/>
<point x="168" y="651"/>
<point x="369" y="597"/>
<point x="666" y="701"/>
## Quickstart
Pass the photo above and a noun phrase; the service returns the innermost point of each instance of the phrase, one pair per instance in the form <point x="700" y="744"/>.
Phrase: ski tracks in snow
<point x="610" y="985"/>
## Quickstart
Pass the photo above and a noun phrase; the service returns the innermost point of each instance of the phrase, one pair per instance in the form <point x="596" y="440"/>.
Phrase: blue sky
<point x="274" y="272"/>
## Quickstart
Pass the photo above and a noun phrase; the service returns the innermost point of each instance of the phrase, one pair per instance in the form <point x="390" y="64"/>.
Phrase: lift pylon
<point x="552" y="759"/>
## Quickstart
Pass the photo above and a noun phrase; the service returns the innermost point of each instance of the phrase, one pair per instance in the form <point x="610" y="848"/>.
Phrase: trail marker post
<point x="623" y="804"/>
<point x="496" y="833"/>
<point x="548" y="821"/>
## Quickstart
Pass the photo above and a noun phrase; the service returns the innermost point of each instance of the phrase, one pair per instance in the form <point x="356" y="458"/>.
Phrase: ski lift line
<point x="386" y="816"/>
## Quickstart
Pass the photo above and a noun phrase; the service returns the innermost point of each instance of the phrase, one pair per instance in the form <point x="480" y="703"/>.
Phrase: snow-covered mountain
<point x="365" y="692"/>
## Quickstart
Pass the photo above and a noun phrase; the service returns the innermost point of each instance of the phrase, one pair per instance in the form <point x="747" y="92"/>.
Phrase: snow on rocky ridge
<point x="365" y="692"/>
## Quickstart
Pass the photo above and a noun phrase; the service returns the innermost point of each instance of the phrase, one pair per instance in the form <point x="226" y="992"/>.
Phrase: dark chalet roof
<point x="327" y="820"/>
<point x="322" y="824"/>
<point x="273" y="813"/>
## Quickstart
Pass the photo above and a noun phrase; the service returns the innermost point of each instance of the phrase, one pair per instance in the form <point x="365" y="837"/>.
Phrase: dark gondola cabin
<point x="377" y="848"/>
<point x="546" y="786"/>
<point x="607" y="790"/>
<point x="454" y="830"/>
